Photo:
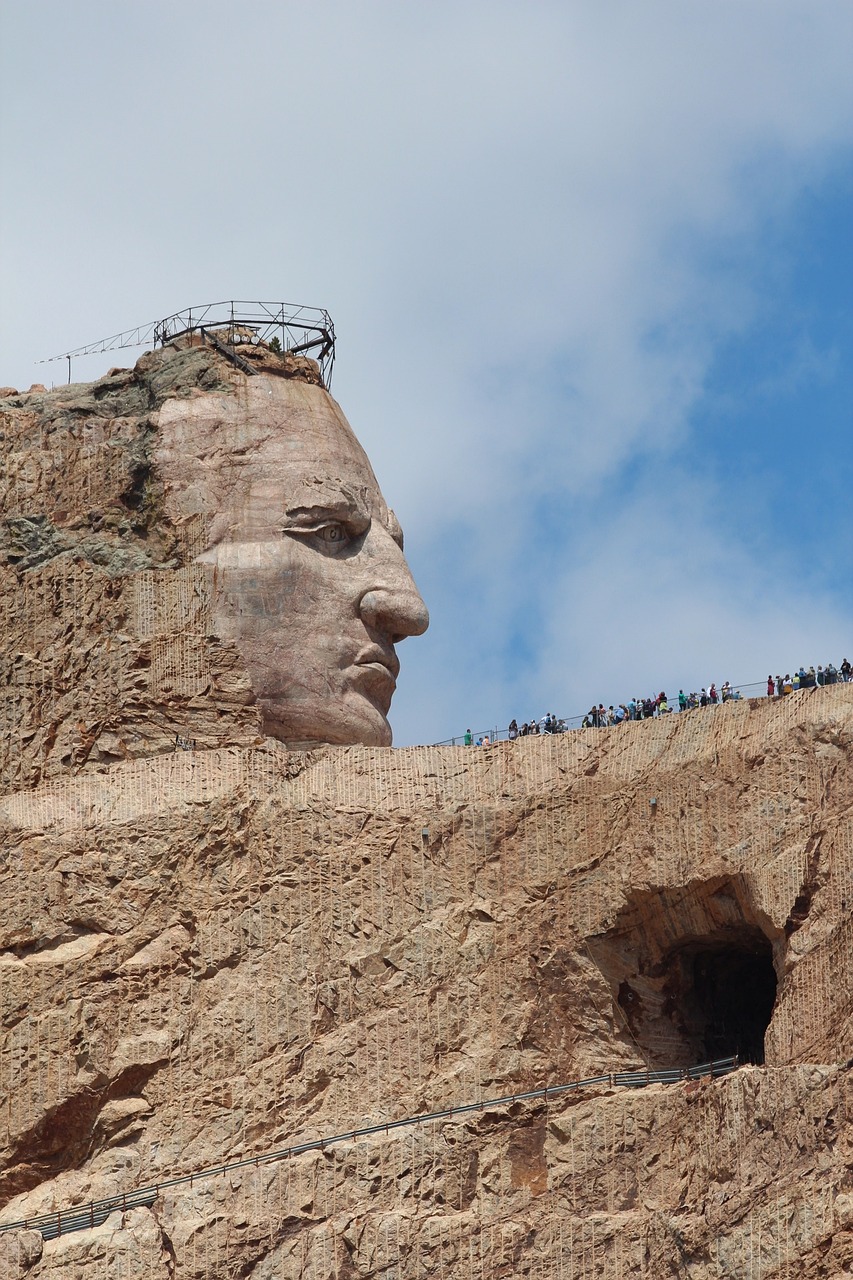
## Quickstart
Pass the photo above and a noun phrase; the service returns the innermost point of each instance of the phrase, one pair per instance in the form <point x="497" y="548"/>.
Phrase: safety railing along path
<point x="739" y="693"/>
<point x="94" y="1214"/>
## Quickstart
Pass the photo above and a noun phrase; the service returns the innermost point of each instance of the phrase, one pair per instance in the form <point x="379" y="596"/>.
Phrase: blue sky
<point x="778" y="398"/>
<point x="590" y="268"/>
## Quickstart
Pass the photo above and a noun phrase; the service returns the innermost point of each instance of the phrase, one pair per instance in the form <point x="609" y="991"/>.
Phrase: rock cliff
<point x="223" y="962"/>
<point x="209" y="956"/>
<point x="106" y="647"/>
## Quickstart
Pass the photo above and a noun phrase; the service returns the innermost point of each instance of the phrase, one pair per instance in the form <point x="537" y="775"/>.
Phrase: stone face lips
<point x="218" y="953"/>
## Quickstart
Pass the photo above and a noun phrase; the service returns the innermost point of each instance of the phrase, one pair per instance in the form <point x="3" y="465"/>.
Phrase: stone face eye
<point x="332" y="533"/>
<point x="330" y="536"/>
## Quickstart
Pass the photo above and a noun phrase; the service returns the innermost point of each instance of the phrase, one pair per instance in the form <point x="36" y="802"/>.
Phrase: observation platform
<point x="298" y="330"/>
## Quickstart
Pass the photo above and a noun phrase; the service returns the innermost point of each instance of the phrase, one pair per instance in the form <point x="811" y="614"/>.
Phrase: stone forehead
<point x="287" y="419"/>
<point x="274" y="436"/>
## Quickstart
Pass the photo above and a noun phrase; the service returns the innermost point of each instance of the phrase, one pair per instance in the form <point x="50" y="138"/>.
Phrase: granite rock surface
<point x="209" y="956"/>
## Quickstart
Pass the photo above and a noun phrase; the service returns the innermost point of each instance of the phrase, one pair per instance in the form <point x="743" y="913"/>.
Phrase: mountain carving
<point x="216" y="949"/>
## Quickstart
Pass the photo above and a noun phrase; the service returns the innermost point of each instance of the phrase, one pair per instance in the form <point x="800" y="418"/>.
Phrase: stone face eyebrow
<point x="344" y="510"/>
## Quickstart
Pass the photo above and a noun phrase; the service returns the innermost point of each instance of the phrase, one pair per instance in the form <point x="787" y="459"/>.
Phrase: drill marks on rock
<point x="613" y="1187"/>
<point x="284" y="879"/>
<point x="132" y="668"/>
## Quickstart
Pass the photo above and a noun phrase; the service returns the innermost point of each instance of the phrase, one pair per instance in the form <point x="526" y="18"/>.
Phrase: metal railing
<point x="299" y="329"/>
<point x="94" y="1214"/>
<point x="739" y="691"/>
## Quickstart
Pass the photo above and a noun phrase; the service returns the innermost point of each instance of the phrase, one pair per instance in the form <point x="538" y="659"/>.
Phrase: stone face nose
<point x="397" y="610"/>
<point x="391" y="602"/>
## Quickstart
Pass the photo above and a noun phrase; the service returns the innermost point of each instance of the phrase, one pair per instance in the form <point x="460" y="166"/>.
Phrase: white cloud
<point x="664" y="597"/>
<point x="533" y="225"/>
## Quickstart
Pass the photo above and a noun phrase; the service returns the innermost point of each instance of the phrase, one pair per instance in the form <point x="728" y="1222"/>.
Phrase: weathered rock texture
<point x="107" y="648"/>
<point x="215" y="954"/>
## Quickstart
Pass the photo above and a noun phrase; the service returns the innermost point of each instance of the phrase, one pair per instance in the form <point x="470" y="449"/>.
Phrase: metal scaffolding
<point x="300" y="330"/>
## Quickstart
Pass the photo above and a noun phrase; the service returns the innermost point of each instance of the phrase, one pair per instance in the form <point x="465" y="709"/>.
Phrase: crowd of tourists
<point x="599" y="717"/>
<point x="803" y="679"/>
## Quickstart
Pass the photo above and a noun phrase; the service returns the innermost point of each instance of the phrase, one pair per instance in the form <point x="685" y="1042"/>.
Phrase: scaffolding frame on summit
<point x="297" y="329"/>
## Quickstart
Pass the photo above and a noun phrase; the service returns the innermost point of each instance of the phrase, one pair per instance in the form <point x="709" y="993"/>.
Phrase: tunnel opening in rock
<point x="723" y="992"/>
<point x="693" y="972"/>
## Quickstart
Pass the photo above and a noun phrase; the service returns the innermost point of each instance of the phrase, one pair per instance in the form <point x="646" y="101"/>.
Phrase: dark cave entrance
<point x="723" y="992"/>
<point x="693" y="972"/>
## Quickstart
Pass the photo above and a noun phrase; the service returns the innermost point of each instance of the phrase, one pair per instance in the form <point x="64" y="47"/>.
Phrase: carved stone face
<point x="309" y="578"/>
